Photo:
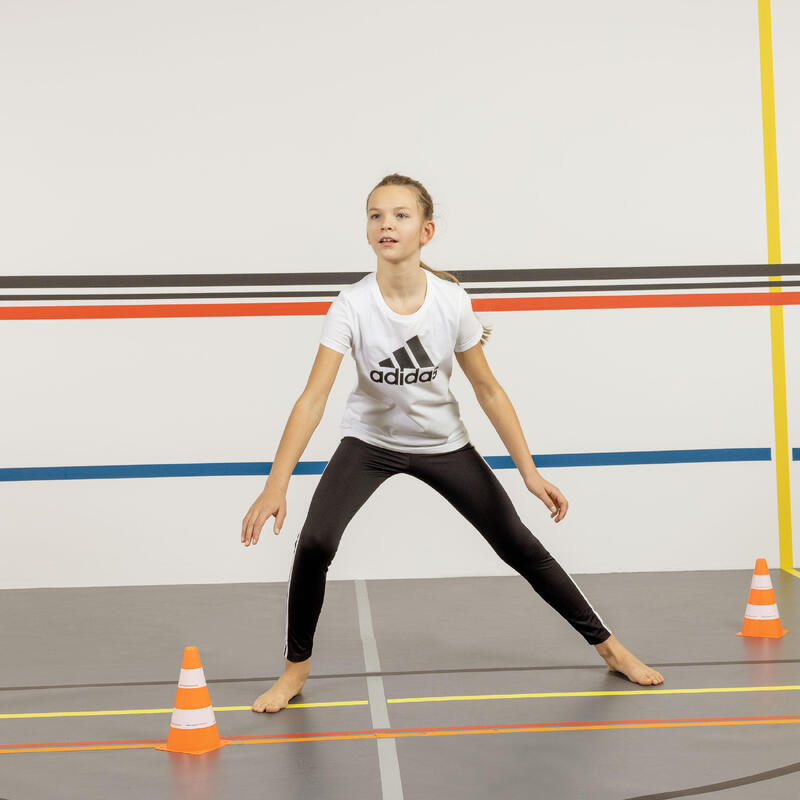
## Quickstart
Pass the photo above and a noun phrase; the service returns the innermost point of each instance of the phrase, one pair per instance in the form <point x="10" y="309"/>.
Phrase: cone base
<point x="763" y="635"/>
<point x="222" y="743"/>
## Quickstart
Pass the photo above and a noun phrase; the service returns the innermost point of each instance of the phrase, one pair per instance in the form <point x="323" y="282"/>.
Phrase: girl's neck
<point x="401" y="282"/>
<point x="403" y="294"/>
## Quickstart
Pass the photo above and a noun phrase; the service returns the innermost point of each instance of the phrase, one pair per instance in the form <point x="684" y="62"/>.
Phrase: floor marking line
<point x="326" y="704"/>
<point x="74" y="749"/>
<point x="385" y="731"/>
<point x="654" y="690"/>
<point x="522" y="729"/>
<point x="78" y="744"/>
<point x="758" y="777"/>
<point x="388" y="764"/>
<point x="109" y="713"/>
<point x="791" y="571"/>
<point x="388" y="734"/>
<point x="385" y="673"/>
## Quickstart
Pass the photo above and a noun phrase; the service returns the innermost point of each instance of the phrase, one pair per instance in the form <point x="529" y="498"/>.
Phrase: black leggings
<point x="468" y="483"/>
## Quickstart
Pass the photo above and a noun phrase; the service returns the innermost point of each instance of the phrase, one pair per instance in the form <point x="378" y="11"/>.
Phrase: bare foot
<point x="285" y="688"/>
<point x="620" y="659"/>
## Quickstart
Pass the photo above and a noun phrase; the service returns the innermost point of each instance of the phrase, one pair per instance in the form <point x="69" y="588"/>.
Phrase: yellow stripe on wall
<point x="776" y="311"/>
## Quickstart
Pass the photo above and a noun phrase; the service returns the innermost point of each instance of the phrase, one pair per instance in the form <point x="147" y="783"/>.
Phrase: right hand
<point x="271" y="501"/>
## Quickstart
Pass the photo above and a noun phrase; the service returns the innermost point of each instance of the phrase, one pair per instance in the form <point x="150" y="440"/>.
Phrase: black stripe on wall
<point x="334" y="281"/>
<point x="344" y="278"/>
<point x="475" y="290"/>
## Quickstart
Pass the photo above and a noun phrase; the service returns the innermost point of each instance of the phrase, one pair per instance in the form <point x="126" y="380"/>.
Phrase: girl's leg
<point x="468" y="483"/>
<point x="353" y="473"/>
<point x="465" y="480"/>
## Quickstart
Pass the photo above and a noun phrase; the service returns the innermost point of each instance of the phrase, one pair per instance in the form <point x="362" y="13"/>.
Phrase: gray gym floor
<point x="107" y="649"/>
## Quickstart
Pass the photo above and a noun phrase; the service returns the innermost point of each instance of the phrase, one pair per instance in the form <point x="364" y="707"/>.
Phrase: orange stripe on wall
<point x="319" y="308"/>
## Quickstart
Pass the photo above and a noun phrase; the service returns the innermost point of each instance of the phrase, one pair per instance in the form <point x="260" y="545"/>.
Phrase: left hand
<point x="550" y="495"/>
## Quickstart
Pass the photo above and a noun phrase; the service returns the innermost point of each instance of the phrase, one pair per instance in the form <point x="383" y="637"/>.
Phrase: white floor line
<point x="391" y="786"/>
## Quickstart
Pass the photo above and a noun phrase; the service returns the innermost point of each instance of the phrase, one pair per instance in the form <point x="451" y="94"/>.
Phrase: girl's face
<point x="393" y="214"/>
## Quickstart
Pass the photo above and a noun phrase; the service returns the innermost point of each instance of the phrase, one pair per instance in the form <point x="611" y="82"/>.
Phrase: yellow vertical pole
<point x="775" y="311"/>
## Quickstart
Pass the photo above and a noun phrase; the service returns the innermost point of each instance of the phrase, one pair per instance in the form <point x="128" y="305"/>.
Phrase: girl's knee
<point x="319" y="545"/>
<point x="525" y="551"/>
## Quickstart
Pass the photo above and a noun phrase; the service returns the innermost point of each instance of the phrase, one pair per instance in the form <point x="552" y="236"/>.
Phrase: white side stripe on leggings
<point x="590" y="605"/>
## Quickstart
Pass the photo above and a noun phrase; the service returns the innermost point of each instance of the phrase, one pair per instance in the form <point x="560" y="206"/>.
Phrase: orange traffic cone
<point x="193" y="728"/>
<point x="761" y="615"/>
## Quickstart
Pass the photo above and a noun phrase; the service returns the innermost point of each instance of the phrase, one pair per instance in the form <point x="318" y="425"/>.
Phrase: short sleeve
<point x="337" y="331"/>
<point x="470" y="329"/>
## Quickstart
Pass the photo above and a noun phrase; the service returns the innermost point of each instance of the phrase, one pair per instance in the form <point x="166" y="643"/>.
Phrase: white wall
<point x="177" y="137"/>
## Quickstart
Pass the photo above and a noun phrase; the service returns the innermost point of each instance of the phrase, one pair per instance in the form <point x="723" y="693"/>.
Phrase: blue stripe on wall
<point x="221" y="468"/>
<point x="639" y="457"/>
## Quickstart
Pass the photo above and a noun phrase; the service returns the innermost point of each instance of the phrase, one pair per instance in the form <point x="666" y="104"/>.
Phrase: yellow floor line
<point x="652" y="691"/>
<point x="791" y="571"/>
<point x="38" y="714"/>
<point x="528" y="695"/>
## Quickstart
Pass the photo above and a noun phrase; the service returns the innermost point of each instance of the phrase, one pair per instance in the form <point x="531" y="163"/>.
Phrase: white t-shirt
<point x="402" y="400"/>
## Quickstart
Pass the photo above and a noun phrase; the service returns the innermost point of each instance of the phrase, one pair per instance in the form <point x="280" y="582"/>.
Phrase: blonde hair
<point x="426" y="209"/>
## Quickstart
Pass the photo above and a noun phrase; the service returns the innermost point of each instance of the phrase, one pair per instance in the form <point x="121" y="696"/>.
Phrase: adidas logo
<point x="399" y="374"/>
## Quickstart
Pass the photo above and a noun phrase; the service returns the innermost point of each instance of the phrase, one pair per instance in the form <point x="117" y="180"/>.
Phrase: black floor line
<point x="717" y="787"/>
<point x="262" y="678"/>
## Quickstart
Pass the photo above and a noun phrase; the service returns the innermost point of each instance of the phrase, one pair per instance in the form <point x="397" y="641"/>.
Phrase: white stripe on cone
<point x="191" y="678"/>
<point x="193" y="717"/>
<point x="762" y="612"/>
<point x="761" y="582"/>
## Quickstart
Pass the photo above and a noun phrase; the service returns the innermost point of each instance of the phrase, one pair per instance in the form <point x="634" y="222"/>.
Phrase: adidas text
<point x="401" y="377"/>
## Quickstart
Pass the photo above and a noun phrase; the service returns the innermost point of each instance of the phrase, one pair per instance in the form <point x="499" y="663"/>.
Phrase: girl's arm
<point x="303" y="420"/>
<point x="305" y="416"/>
<point x="497" y="406"/>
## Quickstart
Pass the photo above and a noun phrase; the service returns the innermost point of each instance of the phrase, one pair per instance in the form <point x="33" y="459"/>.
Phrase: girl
<point x="404" y="322"/>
